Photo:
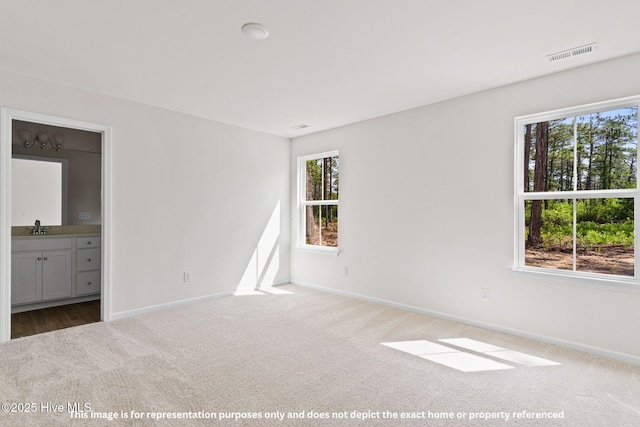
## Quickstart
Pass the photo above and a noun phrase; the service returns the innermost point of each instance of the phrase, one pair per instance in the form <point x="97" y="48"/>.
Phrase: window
<point x="318" y="196"/>
<point x="576" y="191"/>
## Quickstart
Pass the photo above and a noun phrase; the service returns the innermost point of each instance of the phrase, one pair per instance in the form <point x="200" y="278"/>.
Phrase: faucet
<point x="37" y="229"/>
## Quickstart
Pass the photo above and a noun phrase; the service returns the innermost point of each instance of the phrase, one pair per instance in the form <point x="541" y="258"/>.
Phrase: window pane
<point x="321" y="224"/>
<point x="329" y="233"/>
<point x="605" y="238"/>
<point x="607" y="149"/>
<point x="332" y="165"/>
<point x="314" y="179"/>
<point x="548" y="234"/>
<point x="322" y="179"/>
<point x="312" y="225"/>
<point x="549" y="155"/>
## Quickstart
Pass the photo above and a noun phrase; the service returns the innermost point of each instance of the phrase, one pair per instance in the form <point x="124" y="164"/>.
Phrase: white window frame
<point x="303" y="203"/>
<point x="627" y="283"/>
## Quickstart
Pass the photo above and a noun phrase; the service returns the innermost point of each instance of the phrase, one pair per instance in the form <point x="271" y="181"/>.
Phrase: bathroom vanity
<point x="51" y="270"/>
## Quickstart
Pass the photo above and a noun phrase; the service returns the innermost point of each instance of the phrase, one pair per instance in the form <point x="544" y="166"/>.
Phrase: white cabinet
<point x="88" y="259"/>
<point x="41" y="275"/>
<point x="88" y="282"/>
<point x="26" y="277"/>
<point x="88" y="265"/>
<point x="88" y="242"/>
<point x="56" y="275"/>
<point x="56" y="269"/>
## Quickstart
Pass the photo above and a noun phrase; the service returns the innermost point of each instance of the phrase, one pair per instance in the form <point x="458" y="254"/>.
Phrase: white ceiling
<point x="326" y="63"/>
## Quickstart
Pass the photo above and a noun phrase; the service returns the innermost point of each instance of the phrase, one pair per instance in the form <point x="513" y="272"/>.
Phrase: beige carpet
<point x="302" y="354"/>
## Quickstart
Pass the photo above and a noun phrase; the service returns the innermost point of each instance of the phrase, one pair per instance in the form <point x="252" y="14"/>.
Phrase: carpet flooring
<point x="292" y="356"/>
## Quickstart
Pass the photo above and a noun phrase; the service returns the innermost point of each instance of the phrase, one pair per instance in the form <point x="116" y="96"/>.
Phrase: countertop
<point x="57" y="231"/>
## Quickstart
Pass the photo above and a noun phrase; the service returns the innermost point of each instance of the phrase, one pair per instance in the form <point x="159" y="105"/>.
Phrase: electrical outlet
<point x="345" y="271"/>
<point x="484" y="294"/>
<point x="84" y="215"/>
<point x="187" y="276"/>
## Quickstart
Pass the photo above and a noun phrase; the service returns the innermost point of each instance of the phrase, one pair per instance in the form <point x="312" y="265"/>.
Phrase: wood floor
<point x="51" y="319"/>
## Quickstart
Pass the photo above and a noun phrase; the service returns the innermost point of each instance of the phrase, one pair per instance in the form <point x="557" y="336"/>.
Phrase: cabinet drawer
<point x="88" y="282"/>
<point x="88" y="259"/>
<point x="40" y="244"/>
<point x="88" y="242"/>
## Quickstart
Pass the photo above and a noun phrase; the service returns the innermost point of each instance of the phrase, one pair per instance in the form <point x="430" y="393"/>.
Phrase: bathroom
<point x="56" y="227"/>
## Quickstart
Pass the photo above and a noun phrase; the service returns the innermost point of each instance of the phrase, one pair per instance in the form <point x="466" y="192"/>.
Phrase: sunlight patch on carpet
<point x="521" y="358"/>
<point x="464" y="360"/>
<point x="472" y="345"/>
<point x="499" y="352"/>
<point x="276" y="291"/>
<point x="262" y="291"/>
<point x="419" y="347"/>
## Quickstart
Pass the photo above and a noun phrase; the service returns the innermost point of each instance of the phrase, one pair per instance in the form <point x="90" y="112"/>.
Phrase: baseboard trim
<point x="152" y="308"/>
<point x="624" y="357"/>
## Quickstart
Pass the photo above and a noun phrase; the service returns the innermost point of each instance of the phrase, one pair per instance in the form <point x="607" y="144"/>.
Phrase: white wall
<point x="188" y="194"/>
<point x="407" y="238"/>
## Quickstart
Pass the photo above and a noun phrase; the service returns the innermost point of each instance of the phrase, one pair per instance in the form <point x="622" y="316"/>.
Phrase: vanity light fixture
<point x="255" y="31"/>
<point x="41" y="140"/>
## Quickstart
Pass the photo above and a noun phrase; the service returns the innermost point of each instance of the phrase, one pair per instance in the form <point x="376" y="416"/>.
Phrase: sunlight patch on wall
<point x="250" y="276"/>
<point x="270" y="269"/>
<point x="264" y="263"/>
<point x="465" y="361"/>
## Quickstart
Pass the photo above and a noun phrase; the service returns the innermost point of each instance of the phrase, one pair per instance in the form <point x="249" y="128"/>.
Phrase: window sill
<point x="319" y="249"/>
<point x="599" y="281"/>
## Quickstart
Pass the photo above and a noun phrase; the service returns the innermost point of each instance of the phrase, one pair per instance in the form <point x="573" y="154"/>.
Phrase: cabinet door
<point x="26" y="277"/>
<point x="56" y="274"/>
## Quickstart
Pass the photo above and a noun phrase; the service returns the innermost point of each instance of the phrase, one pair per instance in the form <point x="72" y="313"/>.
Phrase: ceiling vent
<point x="581" y="50"/>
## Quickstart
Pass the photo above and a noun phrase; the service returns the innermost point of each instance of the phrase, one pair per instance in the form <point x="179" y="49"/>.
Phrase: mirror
<point x="79" y="201"/>
<point x="38" y="190"/>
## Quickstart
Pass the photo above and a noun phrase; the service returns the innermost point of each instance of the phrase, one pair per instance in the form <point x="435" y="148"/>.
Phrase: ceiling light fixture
<point x="300" y="126"/>
<point x="255" y="31"/>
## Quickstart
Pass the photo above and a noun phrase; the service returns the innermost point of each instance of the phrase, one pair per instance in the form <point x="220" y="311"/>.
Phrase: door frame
<point x="7" y="115"/>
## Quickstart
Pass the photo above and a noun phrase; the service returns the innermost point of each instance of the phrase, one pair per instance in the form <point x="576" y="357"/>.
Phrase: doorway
<point x="84" y="285"/>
